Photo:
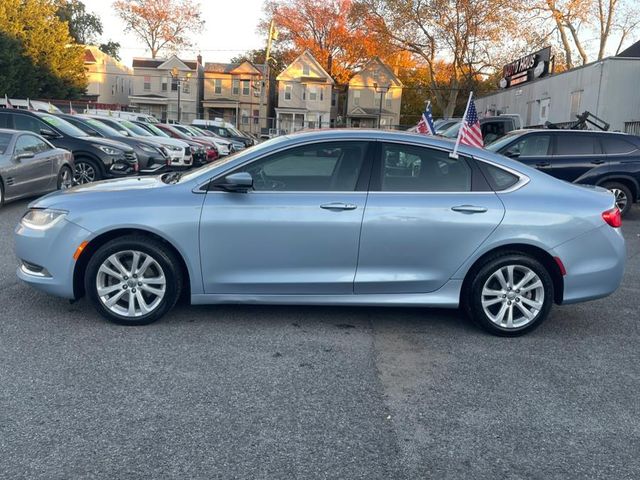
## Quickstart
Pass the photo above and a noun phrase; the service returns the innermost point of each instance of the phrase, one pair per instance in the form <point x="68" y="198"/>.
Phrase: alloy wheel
<point x="621" y="198"/>
<point x="513" y="296"/>
<point x="131" y="283"/>
<point x="84" y="173"/>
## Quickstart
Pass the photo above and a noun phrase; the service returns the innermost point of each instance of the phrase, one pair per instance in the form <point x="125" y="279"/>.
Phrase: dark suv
<point x="607" y="159"/>
<point x="152" y="158"/>
<point x="94" y="158"/>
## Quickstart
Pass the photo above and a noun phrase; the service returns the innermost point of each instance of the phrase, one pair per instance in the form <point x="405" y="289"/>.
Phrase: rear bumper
<point x="594" y="262"/>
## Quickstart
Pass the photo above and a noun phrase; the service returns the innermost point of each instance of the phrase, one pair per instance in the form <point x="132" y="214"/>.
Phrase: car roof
<point x="567" y="131"/>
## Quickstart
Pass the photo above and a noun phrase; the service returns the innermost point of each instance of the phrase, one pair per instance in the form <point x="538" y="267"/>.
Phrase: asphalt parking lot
<point x="291" y="392"/>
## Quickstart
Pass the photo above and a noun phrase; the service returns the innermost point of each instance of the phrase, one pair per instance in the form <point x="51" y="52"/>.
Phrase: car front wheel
<point x="86" y="171"/>
<point x="133" y="280"/>
<point x="65" y="178"/>
<point x="510" y="295"/>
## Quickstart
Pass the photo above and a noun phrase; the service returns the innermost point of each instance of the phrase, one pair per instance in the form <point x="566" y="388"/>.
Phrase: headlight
<point x="39" y="219"/>
<point x="147" y="148"/>
<point x="109" y="150"/>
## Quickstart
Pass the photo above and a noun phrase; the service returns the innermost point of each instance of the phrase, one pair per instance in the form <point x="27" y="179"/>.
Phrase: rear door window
<point x="28" y="123"/>
<point x="576" y="145"/>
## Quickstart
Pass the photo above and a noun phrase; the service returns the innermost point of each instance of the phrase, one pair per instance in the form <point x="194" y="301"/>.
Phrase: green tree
<point x="52" y="61"/>
<point x="111" y="48"/>
<point x="84" y="27"/>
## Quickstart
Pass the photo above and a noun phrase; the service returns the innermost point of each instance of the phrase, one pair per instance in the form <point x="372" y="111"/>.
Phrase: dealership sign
<point x="527" y="68"/>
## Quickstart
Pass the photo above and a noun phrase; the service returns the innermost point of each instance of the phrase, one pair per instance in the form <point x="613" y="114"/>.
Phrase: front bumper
<point x="52" y="251"/>
<point x="594" y="262"/>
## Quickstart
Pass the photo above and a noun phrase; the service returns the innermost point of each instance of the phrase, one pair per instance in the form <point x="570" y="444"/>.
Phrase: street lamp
<point x="381" y="90"/>
<point x="177" y="79"/>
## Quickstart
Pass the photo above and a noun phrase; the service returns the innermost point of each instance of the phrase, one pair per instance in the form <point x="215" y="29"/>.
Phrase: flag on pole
<point x="470" y="132"/>
<point x="71" y="110"/>
<point x="7" y="103"/>
<point x="51" y="110"/>
<point x="29" y="105"/>
<point x="425" y="125"/>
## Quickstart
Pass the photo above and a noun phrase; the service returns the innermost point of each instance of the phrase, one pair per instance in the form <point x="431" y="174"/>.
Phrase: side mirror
<point x="23" y="156"/>
<point x="512" y="154"/>
<point x="240" y="182"/>
<point x="46" y="133"/>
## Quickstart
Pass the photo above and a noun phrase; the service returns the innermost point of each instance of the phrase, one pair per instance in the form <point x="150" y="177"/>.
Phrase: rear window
<point x="615" y="145"/>
<point x="499" y="179"/>
<point x="576" y="145"/>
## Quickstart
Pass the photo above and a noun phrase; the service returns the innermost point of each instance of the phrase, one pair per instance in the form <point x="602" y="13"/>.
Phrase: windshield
<point x="64" y="126"/>
<point x="501" y="142"/>
<point x="135" y="129"/>
<point x="183" y="129"/>
<point x="156" y="131"/>
<point x="101" y="128"/>
<point x="236" y="132"/>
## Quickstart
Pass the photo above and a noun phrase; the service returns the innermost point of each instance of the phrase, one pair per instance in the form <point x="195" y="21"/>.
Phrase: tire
<point x="489" y="300"/>
<point x="624" y="197"/>
<point x="65" y="178"/>
<point x="86" y="171"/>
<point x="104" y="273"/>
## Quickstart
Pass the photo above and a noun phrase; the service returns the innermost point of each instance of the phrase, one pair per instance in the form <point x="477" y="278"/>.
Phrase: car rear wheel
<point x="86" y="171"/>
<point x="510" y="295"/>
<point x="624" y="197"/>
<point x="65" y="178"/>
<point x="133" y="280"/>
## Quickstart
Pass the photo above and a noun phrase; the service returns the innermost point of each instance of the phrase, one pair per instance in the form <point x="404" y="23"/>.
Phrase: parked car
<point x="608" y="159"/>
<point x="153" y="158"/>
<point x="208" y="147"/>
<point x="180" y="153"/>
<point x="94" y="158"/>
<point x="30" y="165"/>
<point x="235" y="146"/>
<point x="492" y="128"/>
<point x="223" y="147"/>
<point x="225" y="130"/>
<point x="142" y="117"/>
<point x="333" y="217"/>
<point x="442" y="124"/>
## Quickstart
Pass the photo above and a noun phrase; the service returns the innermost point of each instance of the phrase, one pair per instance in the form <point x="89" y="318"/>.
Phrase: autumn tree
<point x="161" y="24"/>
<point x="46" y="62"/>
<point x="330" y="29"/>
<point x="465" y="33"/>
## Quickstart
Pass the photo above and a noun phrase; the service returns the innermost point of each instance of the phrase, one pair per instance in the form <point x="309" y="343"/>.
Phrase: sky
<point x="230" y="29"/>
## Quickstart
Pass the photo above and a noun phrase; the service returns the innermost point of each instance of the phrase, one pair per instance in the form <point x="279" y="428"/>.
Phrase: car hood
<point x="108" y="143"/>
<point x="82" y="193"/>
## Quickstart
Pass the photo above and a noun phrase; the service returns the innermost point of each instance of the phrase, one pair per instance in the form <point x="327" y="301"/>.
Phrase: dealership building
<point x="609" y="89"/>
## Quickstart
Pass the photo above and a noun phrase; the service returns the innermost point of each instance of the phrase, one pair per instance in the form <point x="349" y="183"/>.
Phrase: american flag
<point x="470" y="131"/>
<point x="425" y="125"/>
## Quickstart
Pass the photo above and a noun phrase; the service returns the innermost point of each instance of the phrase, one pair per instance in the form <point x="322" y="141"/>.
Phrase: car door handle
<point x="338" y="206"/>
<point x="543" y="164"/>
<point x="597" y="162"/>
<point x="469" y="209"/>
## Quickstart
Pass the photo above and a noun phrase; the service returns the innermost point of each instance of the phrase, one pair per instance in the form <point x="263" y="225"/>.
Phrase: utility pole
<point x="381" y="90"/>
<point x="175" y="74"/>
<point x="273" y="35"/>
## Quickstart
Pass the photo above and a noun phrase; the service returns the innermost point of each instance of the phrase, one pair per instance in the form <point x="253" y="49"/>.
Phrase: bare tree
<point x="161" y="24"/>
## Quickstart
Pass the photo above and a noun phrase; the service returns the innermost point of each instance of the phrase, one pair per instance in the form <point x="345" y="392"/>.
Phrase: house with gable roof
<point x="374" y="97"/>
<point x="304" y="95"/>
<point x="155" y="90"/>
<point x="233" y="92"/>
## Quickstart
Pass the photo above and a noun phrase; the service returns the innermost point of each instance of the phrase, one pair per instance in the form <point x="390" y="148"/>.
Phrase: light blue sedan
<point x="335" y="217"/>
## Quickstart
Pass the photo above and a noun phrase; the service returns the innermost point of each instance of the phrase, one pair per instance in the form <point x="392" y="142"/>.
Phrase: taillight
<point x="613" y="217"/>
